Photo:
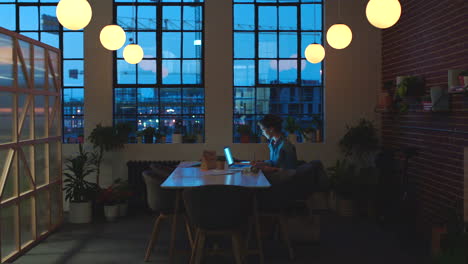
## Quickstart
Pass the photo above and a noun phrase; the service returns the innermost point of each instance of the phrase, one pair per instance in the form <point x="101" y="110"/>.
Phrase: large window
<point x="36" y="19"/>
<point x="165" y="90"/>
<point x="271" y="75"/>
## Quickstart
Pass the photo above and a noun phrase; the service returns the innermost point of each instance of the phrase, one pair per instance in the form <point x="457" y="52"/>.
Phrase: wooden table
<point x="187" y="176"/>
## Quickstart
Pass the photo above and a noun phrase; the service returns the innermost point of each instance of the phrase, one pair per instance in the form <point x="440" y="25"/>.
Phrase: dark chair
<point x="162" y="202"/>
<point x="281" y="198"/>
<point x="218" y="209"/>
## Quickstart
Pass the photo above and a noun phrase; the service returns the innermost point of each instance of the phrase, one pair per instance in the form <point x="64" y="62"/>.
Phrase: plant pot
<point x="465" y="80"/>
<point x="111" y="212"/>
<point x="139" y="140"/>
<point x="318" y="135"/>
<point x="123" y="208"/>
<point x="80" y="212"/>
<point x="176" y="138"/>
<point x="245" y="139"/>
<point x="292" y="138"/>
<point x="149" y="139"/>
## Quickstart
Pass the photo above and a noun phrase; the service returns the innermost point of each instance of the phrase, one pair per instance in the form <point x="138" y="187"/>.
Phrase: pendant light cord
<point x="339" y="11"/>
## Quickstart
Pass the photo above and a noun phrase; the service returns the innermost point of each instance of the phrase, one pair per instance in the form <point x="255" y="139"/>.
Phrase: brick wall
<point x="430" y="38"/>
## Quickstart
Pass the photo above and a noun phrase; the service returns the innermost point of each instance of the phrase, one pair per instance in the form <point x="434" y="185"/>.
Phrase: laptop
<point x="230" y="160"/>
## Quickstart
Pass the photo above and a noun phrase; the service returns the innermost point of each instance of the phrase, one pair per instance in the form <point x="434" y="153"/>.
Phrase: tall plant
<point x="107" y="138"/>
<point x="360" y="143"/>
<point x="77" y="188"/>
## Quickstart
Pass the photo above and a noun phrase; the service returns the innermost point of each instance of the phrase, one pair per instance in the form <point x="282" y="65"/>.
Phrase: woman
<point x="282" y="152"/>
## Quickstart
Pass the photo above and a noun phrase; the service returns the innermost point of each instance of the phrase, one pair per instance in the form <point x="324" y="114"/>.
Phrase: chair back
<point x="158" y="199"/>
<point x="218" y="207"/>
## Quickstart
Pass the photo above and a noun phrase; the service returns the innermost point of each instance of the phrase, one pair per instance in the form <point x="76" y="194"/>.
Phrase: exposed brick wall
<point x="430" y="38"/>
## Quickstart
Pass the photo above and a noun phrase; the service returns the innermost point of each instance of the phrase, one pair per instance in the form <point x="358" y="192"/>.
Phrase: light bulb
<point x="383" y="13"/>
<point x="339" y="36"/>
<point x="74" y="14"/>
<point x="133" y="53"/>
<point x="314" y="53"/>
<point x="112" y="37"/>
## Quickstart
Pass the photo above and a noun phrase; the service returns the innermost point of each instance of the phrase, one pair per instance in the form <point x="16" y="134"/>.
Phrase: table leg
<point x="258" y="230"/>
<point x="174" y="227"/>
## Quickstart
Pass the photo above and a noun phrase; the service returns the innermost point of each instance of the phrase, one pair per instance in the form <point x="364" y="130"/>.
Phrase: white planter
<point x="292" y="138"/>
<point x="80" y="213"/>
<point x="176" y="138"/>
<point x="123" y="207"/>
<point x="111" y="212"/>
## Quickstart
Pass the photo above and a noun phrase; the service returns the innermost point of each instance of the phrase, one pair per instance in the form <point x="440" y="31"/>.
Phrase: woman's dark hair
<point x="272" y="121"/>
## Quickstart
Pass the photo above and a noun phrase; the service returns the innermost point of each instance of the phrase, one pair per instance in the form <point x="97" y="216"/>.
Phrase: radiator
<point x="137" y="202"/>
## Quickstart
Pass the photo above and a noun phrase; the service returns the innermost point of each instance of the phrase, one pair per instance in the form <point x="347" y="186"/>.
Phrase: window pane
<point x="171" y="101"/>
<point x="267" y="18"/>
<point x="73" y="73"/>
<point x="244" y="45"/>
<point x="191" y="72"/>
<point x="73" y="101"/>
<point x="73" y="45"/>
<point x="146" y="18"/>
<point x="52" y="39"/>
<point x="171" y="18"/>
<point x="125" y="101"/>
<point x="244" y="73"/>
<point x="244" y="17"/>
<point x="8" y="16"/>
<point x="309" y="22"/>
<point x="287" y="71"/>
<point x="73" y="129"/>
<point x="267" y="43"/>
<point x="125" y="17"/>
<point x="192" y="18"/>
<point x="171" y="72"/>
<point x="268" y="71"/>
<point x="288" y="45"/>
<point x="147" y="40"/>
<point x="28" y="18"/>
<point x="148" y="102"/>
<point x="126" y="73"/>
<point x="311" y="73"/>
<point x="192" y="45"/>
<point x="171" y="44"/>
<point x="288" y="18"/>
<point x="147" y="72"/>
<point x="193" y="101"/>
<point x="48" y="19"/>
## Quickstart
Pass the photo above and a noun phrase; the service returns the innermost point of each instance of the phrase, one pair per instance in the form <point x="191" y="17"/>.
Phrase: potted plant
<point x="360" y="145"/>
<point x="148" y="134"/>
<point x="291" y="127"/>
<point x="178" y="130"/>
<point x="123" y="193"/>
<point x="343" y="184"/>
<point x="107" y="138"/>
<point x="309" y="134"/>
<point x="78" y="191"/>
<point x="244" y="131"/>
<point x="407" y="86"/>
<point x="317" y="123"/>
<point x="463" y="78"/>
<point x="109" y="198"/>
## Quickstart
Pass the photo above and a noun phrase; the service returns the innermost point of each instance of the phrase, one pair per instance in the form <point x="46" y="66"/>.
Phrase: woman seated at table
<point x="282" y="152"/>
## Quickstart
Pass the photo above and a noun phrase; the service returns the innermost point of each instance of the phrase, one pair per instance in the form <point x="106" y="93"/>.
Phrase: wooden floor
<point x="343" y="240"/>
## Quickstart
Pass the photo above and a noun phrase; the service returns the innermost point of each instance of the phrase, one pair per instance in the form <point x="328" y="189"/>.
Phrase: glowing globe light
<point x="383" y="13"/>
<point x="339" y="36"/>
<point x="314" y="53"/>
<point x="74" y="14"/>
<point x="112" y="37"/>
<point x="133" y="53"/>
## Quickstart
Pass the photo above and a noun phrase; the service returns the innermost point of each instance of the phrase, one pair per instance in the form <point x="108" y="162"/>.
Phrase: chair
<point x="162" y="202"/>
<point x="279" y="199"/>
<point x="218" y="209"/>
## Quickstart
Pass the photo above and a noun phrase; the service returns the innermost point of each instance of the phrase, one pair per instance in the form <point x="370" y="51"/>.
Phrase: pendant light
<point x="314" y="52"/>
<point x="383" y="13"/>
<point x="74" y="14"/>
<point x="133" y="53"/>
<point x="112" y="37"/>
<point x="339" y="36"/>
